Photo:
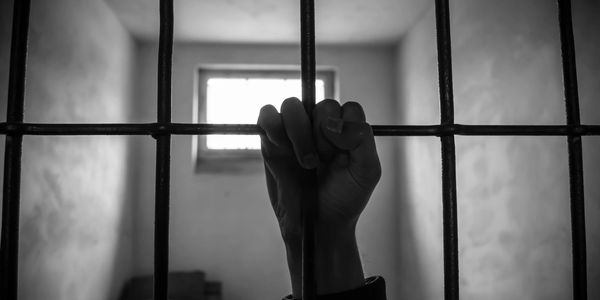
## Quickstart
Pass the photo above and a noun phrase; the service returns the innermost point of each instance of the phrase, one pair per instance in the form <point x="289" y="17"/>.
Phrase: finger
<point x="352" y="111"/>
<point x="286" y="207"/>
<point x="353" y="134"/>
<point x="270" y="121"/>
<point x="349" y="130"/>
<point x="322" y="112"/>
<point x="364" y="155"/>
<point x="298" y="128"/>
<point x="345" y="135"/>
<point x="271" y="186"/>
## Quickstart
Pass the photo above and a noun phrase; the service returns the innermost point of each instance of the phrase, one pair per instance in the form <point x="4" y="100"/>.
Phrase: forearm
<point x="337" y="262"/>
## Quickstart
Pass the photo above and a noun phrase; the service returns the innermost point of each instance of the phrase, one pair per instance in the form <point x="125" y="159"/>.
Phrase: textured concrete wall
<point x="513" y="196"/>
<point x="222" y="222"/>
<point x="75" y="235"/>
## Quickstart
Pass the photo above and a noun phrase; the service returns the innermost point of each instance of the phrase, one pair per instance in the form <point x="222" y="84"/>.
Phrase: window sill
<point x="229" y="162"/>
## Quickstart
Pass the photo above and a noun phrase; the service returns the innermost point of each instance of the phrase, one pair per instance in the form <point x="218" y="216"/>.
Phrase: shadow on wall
<point x="411" y="282"/>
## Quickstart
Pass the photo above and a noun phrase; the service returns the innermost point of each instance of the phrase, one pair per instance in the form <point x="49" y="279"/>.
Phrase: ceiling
<point x="274" y="21"/>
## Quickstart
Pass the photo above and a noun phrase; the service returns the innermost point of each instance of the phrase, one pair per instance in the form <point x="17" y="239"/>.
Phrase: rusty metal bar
<point x="310" y="193"/>
<point x="567" y="43"/>
<point x="250" y="129"/>
<point x="9" y="245"/>
<point x="163" y="153"/>
<point x="450" y="224"/>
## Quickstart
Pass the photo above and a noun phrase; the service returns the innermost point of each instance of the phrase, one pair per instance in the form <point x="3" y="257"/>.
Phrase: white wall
<point x="222" y="223"/>
<point x="513" y="196"/>
<point x="75" y="228"/>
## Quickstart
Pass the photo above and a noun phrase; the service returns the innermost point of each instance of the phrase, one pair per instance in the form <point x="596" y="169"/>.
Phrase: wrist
<point x="337" y="261"/>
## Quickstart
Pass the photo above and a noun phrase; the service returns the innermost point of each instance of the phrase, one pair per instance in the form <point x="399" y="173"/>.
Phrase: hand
<point x="340" y="144"/>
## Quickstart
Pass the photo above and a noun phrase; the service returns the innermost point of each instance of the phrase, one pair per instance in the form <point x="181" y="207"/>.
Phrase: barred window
<point x="246" y="89"/>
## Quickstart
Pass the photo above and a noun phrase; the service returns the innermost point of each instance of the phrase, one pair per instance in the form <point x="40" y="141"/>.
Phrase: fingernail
<point x="310" y="161"/>
<point x="335" y="125"/>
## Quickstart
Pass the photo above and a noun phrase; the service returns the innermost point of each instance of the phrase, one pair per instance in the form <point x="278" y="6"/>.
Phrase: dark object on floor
<point x="182" y="286"/>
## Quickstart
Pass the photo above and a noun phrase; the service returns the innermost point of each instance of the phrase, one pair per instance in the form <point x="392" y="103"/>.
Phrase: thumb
<point x="356" y="138"/>
<point x="345" y="135"/>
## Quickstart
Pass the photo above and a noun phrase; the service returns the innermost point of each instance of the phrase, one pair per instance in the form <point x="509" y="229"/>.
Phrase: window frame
<point x="219" y="160"/>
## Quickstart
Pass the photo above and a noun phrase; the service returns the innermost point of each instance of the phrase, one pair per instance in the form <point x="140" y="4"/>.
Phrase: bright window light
<point x="238" y="101"/>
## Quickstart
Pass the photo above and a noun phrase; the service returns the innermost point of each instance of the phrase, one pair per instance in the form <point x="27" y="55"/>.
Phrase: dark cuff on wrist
<point x="374" y="289"/>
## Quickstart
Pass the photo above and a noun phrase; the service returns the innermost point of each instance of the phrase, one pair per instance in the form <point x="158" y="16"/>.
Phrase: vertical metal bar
<point x="442" y="13"/>
<point x="450" y="223"/>
<point x="575" y="153"/>
<point x="9" y="247"/>
<point x="308" y="56"/>
<point x="442" y="21"/>
<point x="308" y="62"/>
<point x="163" y="153"/>
<point x="165" y="60"/>
<point x="161" y="222"/>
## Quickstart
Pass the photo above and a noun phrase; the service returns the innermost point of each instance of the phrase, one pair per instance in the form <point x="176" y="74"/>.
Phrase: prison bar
<point x="310" y="193"/>
<point x="14" y="129"/>
<point x="9" y="247"/>
<point x="252" y="129"/>
<point x="567" y="44"/>
<point x="450" y="224"/>
<point x="163" y="153"/>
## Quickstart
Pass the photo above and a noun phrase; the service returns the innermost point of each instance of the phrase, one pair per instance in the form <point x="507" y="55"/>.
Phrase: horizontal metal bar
<point x="250" y="129"/>
<point x="485" y="130"/>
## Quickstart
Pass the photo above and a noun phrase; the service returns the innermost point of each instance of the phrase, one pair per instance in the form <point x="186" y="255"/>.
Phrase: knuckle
<point x="263" y="111"/>
<point x="353" y="111"/>
<point x="288" y="103"/>
<point x="267" y="109"/>
<point x="352" y="105"/>
<point x="327" y="107"/>
<point x="328" y="103"/>
<point x="267" y="113"/>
